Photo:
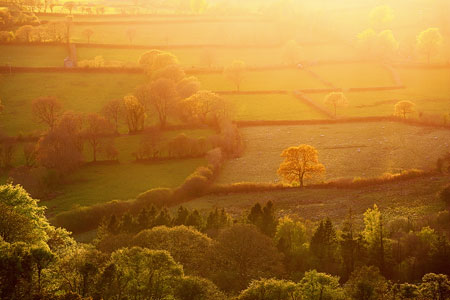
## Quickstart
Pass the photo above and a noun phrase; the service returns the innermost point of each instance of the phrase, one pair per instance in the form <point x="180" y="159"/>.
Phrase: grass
<point x="285" y="79"/>
<point x="270" y="107"/>
<point x="346" y="150"/>
<point x="101" y="183"/>
<point x="199" y="33"/>
<point x="354" y="75"/>
<point x="429" y="89"/>
<point x="413" y="198"/>
<point x="77" y="92"/>
<point x="32" y="56"/>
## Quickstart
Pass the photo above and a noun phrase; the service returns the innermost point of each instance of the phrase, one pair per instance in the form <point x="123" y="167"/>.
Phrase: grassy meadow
<point x="77" y="91"/>
<point x="346" y="150"/>
<point x="413" y="198"/>
<point x="429" y="89"/>
<point x="270" y="107"/>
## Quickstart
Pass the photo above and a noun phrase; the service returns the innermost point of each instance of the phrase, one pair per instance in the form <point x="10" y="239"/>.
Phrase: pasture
<point x="78" y="92"/>
<point x="270" y="107"/>
<point x="186" y="33"/>
<point x="350" y="75"/>
<point x="410" y="199"/>
<point x="347" y="150"/>
<point x="429" y="89"/>
<point x="288" y="79"/>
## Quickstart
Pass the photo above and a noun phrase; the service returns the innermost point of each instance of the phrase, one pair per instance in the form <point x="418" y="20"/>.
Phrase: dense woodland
<point x="212" y="149"/>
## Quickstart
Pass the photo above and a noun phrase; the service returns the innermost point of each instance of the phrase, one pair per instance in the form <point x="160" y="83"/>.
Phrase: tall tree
<point x="97" y="128"/>
<point x="134" y="113"/>
<point x="163" y="98"/>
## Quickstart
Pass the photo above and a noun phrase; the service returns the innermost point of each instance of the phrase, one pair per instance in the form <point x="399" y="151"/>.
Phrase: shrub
<point x="159" y="197"/>
<point x="445" y="195"/>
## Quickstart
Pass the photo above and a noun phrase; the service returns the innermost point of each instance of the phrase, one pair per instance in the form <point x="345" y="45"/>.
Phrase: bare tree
<point x="46" y="110"/>
<point x="112" y="111"/>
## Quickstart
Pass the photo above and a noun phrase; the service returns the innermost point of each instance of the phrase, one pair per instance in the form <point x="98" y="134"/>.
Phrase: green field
<point x="270" y="107"/>
<point x="77" y="92"/>
<point x="346" y="150"/>
<point x="53" y="56"/>
<point x="32" y="56"/>
<point x="282" y="79"/>
<point x="198" y="33"/>
<point x="413" y="198"/>
<point x="95" y="183"/>
<point x="429" y="89"/>
<point x="354" y="75"/>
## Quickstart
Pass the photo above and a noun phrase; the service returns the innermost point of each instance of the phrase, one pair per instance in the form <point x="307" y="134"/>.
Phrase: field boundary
<point x="311" y="103"/>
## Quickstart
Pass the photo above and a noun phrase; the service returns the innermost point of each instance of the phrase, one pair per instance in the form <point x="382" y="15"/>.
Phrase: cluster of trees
<point x="156" y="255"/>
<point x="380" y="42"/>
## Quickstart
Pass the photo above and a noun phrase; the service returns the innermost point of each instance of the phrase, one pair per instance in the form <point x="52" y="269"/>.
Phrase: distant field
<point x="32" y="56"/>
<point x="53" y="56"/>
<point x="284" y="79"/>
<point x="429" y="89"/>
<point x="270" y="107"/>
<point x="77" y="92"/>
<point x="355" y="75"/>
<point x="198" y="33"/>
<point x="346" y="150"/>
<point x="413" y="198"/>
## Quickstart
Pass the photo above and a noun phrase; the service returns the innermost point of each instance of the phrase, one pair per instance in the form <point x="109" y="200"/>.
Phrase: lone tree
<point x="429" y="42"/>
<point x="404" y="108"/>
<point x="336" y="99"/>
<point x="236" y="73"/>
<point x="300" y="163"/>
<point x="46" y="110"/>
<point x="88" y="34"/>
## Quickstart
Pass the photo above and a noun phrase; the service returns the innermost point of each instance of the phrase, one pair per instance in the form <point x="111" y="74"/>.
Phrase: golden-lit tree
<point x="381" y="17"/>
<point x="236" y="73"/>
<point x="88" y="34"/>
<point x="70" y="5"/>
<point x="46" y="110"/>
<point x="367" y="41"/>
<point x="300" y="163"/>
<point x="335" y="100"/>
<point x="134" y="113"/>
<point x="429" y="42"/>
<point x="404" y="108"/>
<point x="204" y="107"/>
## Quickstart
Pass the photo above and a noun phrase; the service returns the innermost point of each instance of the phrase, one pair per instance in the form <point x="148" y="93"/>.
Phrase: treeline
<point x="156" y="254"/>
